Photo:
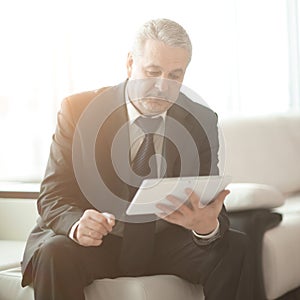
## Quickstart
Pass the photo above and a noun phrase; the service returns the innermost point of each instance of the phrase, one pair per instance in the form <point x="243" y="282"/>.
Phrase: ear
<point x="129" y="64"/>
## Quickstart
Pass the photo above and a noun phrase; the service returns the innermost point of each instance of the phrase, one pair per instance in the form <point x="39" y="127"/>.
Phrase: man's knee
<point x="239" y="247"/>
<point x="238" y="239"/>
<point x="55" y="249"/>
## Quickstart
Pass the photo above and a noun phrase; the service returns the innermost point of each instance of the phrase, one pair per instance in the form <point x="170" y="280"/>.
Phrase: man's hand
<point x="202" y="220"/>
<point x="92" y="227"/>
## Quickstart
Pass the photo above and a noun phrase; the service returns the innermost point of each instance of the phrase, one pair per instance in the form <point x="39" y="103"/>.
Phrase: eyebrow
<point x="176" y="70"/>
<point x="158" y="67"/>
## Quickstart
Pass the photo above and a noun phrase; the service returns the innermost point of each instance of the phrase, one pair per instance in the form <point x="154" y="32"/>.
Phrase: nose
<point x="161" y="84"/>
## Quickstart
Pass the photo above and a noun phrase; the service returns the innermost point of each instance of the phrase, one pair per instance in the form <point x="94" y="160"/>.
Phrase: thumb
<point x="221" y="197"/>
<point x="110" y="218"/>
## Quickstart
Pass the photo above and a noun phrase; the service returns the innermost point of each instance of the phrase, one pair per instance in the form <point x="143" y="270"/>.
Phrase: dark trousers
<point x="61" y="268"/>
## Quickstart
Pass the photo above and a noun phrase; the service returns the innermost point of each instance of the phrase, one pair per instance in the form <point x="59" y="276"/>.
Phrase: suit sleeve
<point x="209" y="146"/>
<point x="208" y="151"/>
<point x="60" y="203"/>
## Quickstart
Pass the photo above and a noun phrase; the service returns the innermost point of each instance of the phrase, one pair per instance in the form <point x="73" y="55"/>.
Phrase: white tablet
<point x="154" y="191"/>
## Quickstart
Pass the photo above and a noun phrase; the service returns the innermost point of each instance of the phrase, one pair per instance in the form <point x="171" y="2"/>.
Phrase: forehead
<point x="157" y="54"/>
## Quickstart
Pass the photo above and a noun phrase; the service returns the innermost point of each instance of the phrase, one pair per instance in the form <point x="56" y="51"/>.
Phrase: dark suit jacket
<point x="61" y="201"/>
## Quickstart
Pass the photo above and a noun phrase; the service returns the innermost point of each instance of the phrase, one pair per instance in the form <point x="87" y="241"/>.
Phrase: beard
<point x="152" y="106"/>
<point x="149" y="99"/>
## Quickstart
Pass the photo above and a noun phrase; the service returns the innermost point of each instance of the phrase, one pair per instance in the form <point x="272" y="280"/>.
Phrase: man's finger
<point x="219" y="200"/>
<point x="111" y="219"/>
<point x="194" y="198"/>
<point x="95" y="235"/>
<point x="87" y="241"/>
<point x="106" y="220"/>
<point x="178" y="204"/>
<point x="167" y="209"/>
<point x="98" y="226"/>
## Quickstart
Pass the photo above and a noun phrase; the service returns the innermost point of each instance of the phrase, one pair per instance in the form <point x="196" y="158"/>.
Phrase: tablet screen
<point x="154" y="191"/>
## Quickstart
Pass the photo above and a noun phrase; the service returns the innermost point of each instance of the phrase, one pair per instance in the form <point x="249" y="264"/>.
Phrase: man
<point x="83" y="233"/>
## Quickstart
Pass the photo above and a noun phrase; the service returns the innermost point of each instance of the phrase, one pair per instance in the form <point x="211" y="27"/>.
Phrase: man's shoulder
<point x="74" y="105"/>
<point x="195" y="110"/>
<point x="195" y="105"/>
<point x="82" y="99"/>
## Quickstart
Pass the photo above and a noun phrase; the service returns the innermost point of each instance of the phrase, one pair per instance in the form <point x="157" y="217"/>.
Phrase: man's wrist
<point x="72" y="231"/>
<point x="209" y="235"/>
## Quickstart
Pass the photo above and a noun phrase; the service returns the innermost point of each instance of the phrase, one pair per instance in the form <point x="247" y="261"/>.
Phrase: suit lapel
<point x="173" y="143"/>
<point x="115" y="144"/>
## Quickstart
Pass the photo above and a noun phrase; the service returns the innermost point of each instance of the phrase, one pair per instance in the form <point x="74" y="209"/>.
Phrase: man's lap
<point x="175" y="253"/>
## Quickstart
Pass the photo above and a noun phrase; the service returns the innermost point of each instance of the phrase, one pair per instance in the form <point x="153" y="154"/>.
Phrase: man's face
<point x="155" y="76"/>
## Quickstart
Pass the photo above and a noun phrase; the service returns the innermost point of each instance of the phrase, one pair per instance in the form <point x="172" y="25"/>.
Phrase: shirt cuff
<point x="72" y="231"/>
<point x="207" y="236"/>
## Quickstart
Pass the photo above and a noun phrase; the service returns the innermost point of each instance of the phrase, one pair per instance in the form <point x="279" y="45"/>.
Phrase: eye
<point x="174" y="77"/>
<point x="153" y="73"/>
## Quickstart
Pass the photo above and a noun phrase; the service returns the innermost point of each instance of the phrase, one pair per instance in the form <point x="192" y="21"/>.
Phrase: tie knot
<point x="147" y="124"/>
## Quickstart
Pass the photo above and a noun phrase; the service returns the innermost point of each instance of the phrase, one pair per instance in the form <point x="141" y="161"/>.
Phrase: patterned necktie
<point x="138" y="238"/>
<point x="141" y="164"/>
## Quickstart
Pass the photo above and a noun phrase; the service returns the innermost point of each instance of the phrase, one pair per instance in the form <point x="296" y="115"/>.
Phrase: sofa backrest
<point x="262" y="149"/>
<point x="17" y="218"/>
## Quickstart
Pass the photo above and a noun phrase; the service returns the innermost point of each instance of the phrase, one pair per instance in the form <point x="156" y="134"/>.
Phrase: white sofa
<point x="266" y="150"/>
<point x="263" y="152"/>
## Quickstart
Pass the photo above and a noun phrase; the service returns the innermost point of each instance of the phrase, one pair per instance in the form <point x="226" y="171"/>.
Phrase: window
<point x="245" y="61"/>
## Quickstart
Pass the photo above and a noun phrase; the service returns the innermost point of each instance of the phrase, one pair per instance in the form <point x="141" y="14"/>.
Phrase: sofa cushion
<point x="245" y="196"/>
<point x="10" y="286"/>
<point x="165" y="287"/>
<point x="291" y="205"/>
<point x="11" y="254"/>
<point x="17" y="218"/>
<point x="262" y="149"/>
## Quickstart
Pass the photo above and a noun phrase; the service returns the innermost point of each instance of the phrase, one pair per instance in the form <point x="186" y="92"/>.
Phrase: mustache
<point x="160" y="96"/>
<point x="154" y="94"/>
<point x="143" y="89"/>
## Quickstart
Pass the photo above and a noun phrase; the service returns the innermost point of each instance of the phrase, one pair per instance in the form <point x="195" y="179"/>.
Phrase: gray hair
<point x="163" y="30"/>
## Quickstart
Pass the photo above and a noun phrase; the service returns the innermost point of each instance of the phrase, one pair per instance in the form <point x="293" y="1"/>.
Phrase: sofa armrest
<point x="255" y="223"/>
<point x="248" y="196"/>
